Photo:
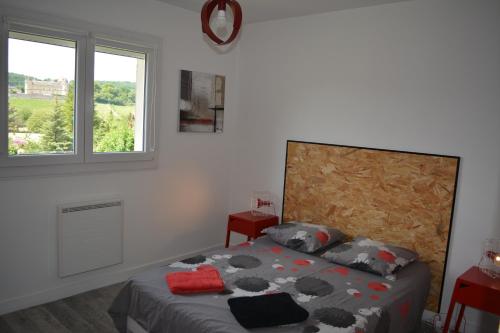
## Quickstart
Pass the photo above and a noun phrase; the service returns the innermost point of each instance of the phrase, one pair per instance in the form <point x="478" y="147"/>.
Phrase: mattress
<point x="338" y="298"/>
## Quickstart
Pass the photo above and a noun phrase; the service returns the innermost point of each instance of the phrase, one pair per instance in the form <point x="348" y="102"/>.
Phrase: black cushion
<point x="267" y="310"/>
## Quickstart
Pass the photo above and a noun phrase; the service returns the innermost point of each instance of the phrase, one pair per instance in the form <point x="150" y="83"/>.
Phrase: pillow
<point x="304" y="237"/>
<point x="371" y="256"/>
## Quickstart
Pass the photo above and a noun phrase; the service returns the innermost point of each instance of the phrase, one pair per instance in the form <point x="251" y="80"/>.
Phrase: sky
<point x="44" y="61"/>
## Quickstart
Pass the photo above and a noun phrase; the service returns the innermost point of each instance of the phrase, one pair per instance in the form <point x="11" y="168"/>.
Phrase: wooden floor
<point x="85" y="313"/>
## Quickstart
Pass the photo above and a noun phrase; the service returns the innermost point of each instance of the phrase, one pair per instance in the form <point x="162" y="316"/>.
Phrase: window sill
<point x="13" y="172"/>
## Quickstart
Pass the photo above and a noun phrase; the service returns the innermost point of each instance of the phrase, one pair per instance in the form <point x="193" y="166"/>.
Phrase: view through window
<point x="119" y="82"/>
<point x="41" y="92"/>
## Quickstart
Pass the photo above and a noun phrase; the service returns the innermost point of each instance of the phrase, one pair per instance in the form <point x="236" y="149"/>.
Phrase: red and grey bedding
<point x="337" y="298"/>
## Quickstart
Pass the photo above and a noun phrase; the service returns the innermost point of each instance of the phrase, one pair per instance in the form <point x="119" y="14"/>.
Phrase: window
<point x="74" y="97"/>
<point x="41" y="110"/>
<point x="119" y="77"/>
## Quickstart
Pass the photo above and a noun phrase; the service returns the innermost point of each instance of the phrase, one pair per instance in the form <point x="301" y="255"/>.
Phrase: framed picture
<point x="201" y="102"/>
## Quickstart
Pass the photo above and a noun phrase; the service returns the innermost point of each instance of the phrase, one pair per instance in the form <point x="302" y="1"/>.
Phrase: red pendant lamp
<point x="221" y="5"/>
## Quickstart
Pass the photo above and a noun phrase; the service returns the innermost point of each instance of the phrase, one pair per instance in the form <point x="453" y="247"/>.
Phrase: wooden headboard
<point x="401" y="198"/>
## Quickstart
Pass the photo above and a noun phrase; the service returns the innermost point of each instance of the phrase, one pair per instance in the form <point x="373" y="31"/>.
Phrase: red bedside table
<point x="248" y="224"/>
<point x="475" y="289"/>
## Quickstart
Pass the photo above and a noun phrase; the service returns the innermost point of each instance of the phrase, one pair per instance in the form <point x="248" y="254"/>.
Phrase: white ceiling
<point x="266" y="10"/>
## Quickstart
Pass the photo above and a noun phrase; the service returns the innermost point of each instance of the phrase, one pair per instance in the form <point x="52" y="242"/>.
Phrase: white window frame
<point x="148" y="126"/>
<point x="87" y="36"/>
<point x="78" y="139"/>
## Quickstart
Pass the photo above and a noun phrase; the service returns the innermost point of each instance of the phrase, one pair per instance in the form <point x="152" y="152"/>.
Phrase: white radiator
<point x="90" y="236"/>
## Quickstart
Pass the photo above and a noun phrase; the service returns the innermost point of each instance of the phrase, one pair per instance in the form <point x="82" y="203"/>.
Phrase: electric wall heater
<point x="90" y="236"/>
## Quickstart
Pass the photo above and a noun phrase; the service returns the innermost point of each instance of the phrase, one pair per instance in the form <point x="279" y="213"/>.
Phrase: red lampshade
<point x="221" y="5"/>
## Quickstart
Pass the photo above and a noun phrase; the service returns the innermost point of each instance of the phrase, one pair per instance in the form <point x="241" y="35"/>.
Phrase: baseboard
<point x="95" y="282"/>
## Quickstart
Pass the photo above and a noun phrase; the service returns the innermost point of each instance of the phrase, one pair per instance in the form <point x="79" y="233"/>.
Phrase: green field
<point x="45" y="105"/>
<point x="32" y="105"/>
<point x="117" y="109"/>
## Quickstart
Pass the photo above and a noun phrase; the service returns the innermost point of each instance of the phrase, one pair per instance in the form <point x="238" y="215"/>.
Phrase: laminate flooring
<point x="81" y="313"/>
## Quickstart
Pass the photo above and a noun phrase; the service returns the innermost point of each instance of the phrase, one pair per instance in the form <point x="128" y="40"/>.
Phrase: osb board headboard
<point x="401" y="198"/>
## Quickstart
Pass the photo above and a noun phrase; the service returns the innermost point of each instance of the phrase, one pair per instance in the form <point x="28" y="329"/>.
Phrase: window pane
<point x="119" y="77"/>
<point x="41" y="95"/>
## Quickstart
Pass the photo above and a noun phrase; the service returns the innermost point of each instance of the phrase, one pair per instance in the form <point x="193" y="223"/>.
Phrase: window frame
<point x="86" y="36"/>
<point x="78" y="140"/>
<point x="149" y="92"/>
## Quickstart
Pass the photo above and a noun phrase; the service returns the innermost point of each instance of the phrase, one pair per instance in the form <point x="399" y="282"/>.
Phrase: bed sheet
<point x="339" y="299"/>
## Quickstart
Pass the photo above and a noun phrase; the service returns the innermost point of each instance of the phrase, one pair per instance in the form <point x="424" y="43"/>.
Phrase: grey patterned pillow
<point x="304" y="237"/>
<point x="371" y="256"/>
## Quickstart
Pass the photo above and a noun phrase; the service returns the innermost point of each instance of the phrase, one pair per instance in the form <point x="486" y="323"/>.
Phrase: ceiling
<point x="266" y="10"/>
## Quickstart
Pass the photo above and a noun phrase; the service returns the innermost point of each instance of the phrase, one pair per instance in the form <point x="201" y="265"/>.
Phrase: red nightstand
<point x="248" y="224"/>
<point x="475" y="289"/>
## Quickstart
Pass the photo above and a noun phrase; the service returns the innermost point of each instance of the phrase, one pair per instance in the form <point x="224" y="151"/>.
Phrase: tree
<point x="17" y="80"/>
<point x="18" y="118"/>
<point x="119" y="139"/>
<point x="101" y="127"/>
<point x="115" y="93"/>
<point x="37" y="120"/>
<point x="68" y="108"/>
<point x="15" y="120"/>
<point x="56" y="137"/>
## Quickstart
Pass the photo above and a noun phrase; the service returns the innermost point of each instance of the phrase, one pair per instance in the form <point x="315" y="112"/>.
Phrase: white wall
<point x="422" y="76"/>
<point x="178" y="208"/>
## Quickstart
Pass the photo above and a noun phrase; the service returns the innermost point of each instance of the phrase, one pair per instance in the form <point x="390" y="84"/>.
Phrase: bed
<point x="339" y="299"/>
<point x="400" y="198"/>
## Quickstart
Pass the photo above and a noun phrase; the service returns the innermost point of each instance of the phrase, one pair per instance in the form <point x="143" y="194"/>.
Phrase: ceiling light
<point x="221" y="20"/>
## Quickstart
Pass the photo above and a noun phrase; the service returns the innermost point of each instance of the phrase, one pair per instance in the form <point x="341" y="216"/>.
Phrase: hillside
<point x="17" y="80"/>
